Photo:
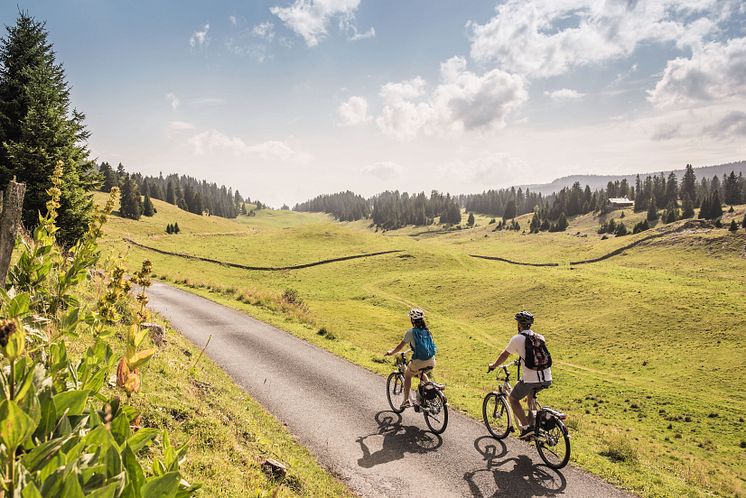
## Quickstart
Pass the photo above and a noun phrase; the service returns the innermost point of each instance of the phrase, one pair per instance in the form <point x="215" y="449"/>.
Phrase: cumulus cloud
<point x="310" y="19"/>
<point x="714" y="71"/>
<point x="173" y="100"/>
<point x="732" y="124"/>
<point x="462" y="101"/>
<point x="548" y="37"/>
<point x="353" y="111"/>
<point x="199" y="38"/>
<point x="383" y="170"/>
<point x="564" y="94"/>
<point x="213" y="141"/>
<point x="355" y="35"/>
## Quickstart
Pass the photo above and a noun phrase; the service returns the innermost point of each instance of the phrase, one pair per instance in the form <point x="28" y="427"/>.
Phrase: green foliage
<point x="733" y="226"/>
<point x="652" y="210"/>
<point x="38" y="129"/>
<point x="621" y="230"/>
<point x="60" y="433"/>
<point x="641" y="226"/>
<point x="148" y="209"/>
<point x="470" y="220"/>
<point x="130" y="204"/>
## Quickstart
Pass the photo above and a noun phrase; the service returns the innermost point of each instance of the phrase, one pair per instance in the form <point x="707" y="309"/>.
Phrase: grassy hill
<point x="648" y="344"/>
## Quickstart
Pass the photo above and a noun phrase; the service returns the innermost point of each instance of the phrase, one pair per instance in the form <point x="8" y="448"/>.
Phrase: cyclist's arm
<point x="500" y="360"/>
<point x="396" y="349"/>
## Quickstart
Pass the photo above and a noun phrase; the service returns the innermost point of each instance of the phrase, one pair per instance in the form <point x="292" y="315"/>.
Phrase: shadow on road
<point x="398" y="440"/>
<point x="515" y="476"/>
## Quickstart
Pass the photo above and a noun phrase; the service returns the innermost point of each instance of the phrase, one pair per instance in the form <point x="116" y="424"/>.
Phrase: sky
<point x="287" y="99"/>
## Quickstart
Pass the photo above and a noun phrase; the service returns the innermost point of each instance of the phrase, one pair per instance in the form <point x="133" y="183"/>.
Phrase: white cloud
<point x="732" y="124"/>
<point x="173" y="100"/>
<point x="355" y="35"/>
<point x="564" y="94"/>
<point x="486" y="170"/>
<point x="233" y="20"/>
<point x="199" y="38"/>
<point x="383" y="170"/>
<point x="714" y="71"/>
<point x="462" y="101"/>
<point x="310" y="18"/>
<point x="353" y="111"/>
<point x="213" y="141"/>
<point x="179" y="126"/>
<point x="265" y="31"/>
<point x="549" y="37"/>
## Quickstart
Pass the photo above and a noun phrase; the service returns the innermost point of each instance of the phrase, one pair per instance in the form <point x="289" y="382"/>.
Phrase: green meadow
<point x="649" y="346"/>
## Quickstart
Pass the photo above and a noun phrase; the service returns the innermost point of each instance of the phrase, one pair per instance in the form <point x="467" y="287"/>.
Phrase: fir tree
<point x="688" y="184"/>
<point x="510" y="210"/>
<point x="716" y="209"/>
<point x="148" y="209"/>
<point x="652" y="210"/>
<point x="621" y="230"/>
<point x="470" y="220"/>
<point x="704" y="209"/>
<point x="176" y="227"/>
<point x="129" y="201"/>
<point x="733" y="226"/>
<point x="169" y="229"/>
<point x="672" y="212"/>
<point x="687" y="206"/>
<point x="38" y="129"/>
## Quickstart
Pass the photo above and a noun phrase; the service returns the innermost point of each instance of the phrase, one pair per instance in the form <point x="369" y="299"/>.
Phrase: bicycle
<point x="430" y="398"/>
<point x="550" y="433"/>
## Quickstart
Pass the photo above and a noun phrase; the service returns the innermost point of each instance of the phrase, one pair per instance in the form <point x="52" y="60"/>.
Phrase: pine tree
<point x="38" y="129"/>
<point x="148" y="209"/>
<point x="687" y="206"/>
<point x="704" y="209"/>
<point x="652" y="210"/>
<point x="562" y="223"/>
<point x="176" y="227"/>
<point x="510" y="210"/>
<point x="733" y="226"/>
<point x="470" y="220"/>
<point x="169" y="229"/>
<point x="621" y="230"/>
<point x="129" y="202"/>
<point x="688" y="184"/>
<point x="716" y="209"/>
<point x="672" y="212"/>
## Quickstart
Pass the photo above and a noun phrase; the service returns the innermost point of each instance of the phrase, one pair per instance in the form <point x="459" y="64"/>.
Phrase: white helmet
<point x="416" y="314"/>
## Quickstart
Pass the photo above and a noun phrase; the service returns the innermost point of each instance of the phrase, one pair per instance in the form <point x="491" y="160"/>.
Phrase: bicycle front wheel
<point x="395" y="391"/>
<point x="553" y="443"/>
<point x="496" y="415"/>
<point x="436" y="413"/>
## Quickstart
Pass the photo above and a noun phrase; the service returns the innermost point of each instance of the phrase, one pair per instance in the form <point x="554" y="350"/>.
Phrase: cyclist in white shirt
<point x="531" y="380"/>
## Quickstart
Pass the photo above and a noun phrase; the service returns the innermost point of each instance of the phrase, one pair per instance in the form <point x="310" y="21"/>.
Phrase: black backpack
<point x="538" y="356"/>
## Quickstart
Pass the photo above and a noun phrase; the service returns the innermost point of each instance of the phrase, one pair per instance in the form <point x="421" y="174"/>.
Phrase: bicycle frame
<point x="504" y="389"/>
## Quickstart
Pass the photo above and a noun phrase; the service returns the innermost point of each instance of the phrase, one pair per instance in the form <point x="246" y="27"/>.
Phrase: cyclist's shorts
<point x="523" y="389"/>
<point x="415" y="366"/>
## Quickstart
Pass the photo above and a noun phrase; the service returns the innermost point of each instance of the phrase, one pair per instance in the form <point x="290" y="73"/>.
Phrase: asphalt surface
<point x="339" y="411"/>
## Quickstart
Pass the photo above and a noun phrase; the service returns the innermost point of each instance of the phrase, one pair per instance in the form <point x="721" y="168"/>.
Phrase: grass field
<point x="648" y="345"/>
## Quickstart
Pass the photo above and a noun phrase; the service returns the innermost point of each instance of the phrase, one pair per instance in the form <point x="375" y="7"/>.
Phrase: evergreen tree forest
<point x="388" y="210"/>
<point x="189" y="194"/>
<point x="39" y="129"/>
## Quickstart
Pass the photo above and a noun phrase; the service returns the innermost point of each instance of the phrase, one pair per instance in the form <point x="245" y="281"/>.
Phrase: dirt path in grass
<point x="339" y="411"/>
<point x="689" y="225"/>
<point x="260" y="268"/>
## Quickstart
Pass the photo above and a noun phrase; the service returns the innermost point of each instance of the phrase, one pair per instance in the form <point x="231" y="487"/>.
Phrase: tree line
<point x="185" y="192"/>
<point x="388" y="210"/>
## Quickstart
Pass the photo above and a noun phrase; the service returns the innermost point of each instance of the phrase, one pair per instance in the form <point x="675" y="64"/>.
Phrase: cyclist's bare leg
<point x="407" y="383"/>
<point x="518" y="411"/>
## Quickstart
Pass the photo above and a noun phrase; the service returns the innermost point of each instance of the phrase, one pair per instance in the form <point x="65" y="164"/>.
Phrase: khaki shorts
<point x="415" y="366"/>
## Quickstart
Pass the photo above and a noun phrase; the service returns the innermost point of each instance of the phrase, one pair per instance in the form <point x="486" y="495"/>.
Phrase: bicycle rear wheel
<point x="395" y="391"/>
<point x="553" y="443"/>
<point x="436" y="413"/>
<point x="496" y="415"/>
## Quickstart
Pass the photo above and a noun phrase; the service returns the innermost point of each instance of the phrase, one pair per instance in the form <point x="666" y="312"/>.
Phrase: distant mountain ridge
<point x="598" y="181"/>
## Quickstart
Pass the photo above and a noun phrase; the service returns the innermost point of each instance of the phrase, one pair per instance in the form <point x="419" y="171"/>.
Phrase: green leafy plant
<point x="62" y="432"/>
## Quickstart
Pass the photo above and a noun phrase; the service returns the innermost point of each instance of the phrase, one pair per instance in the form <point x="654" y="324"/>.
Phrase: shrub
<point x="733" y="226"/>
<point x="63" y="435"/>
<point x="620" y="450"/>
<point x="291" y="296"/>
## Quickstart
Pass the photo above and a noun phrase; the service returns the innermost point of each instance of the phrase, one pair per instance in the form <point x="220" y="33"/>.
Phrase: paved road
<point x="339" y="411"/>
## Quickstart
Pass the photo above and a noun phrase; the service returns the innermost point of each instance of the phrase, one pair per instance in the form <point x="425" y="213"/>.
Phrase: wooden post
<point x="12" y="206"/>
